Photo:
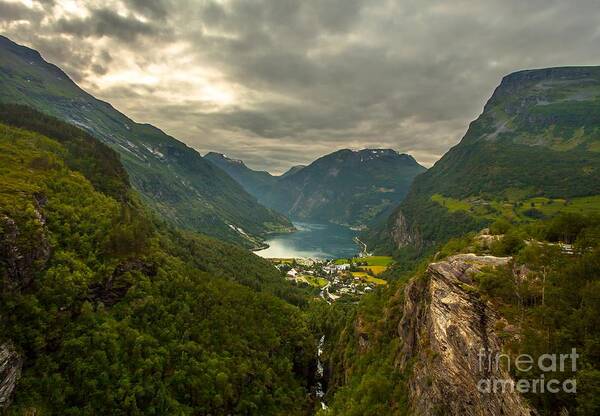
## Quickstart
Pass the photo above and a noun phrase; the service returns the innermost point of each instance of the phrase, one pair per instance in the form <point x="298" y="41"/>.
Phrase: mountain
<point x="254" y="182"/>
<point x="534" y="151"/>
<point x="293" y="170"/>
<point x="172" y="178"/>
<point x="345" y="187"/>
<point x="105" y="308"/>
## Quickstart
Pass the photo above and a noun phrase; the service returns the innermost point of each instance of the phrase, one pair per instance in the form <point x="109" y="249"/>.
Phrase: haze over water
<point x="318" y="241"/>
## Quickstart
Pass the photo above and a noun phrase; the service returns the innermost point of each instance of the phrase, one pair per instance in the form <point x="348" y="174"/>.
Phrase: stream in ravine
<point x="319" y="374"/>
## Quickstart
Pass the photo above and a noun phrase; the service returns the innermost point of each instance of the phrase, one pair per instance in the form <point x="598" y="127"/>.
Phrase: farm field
<point x="282" y="260"/>
<point x="368" y="278"/>
<point x="313" y="281"/>
<point x="523" y="209"/>
<point x="549" y="207"/>
<point x="371" y="260"/>
<point x="375" y="269"/>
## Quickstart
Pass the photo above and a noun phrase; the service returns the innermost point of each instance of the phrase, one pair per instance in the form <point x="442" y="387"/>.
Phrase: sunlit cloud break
<point x="278" y="83"/>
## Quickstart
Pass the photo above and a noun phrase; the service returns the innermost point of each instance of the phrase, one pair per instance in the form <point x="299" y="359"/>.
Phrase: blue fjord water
<point x="317" y="241"/>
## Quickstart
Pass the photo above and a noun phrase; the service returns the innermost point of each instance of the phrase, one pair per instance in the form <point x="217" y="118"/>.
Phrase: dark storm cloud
<point x="157" y="9"/>
<point x="280" y="82"/>
<point x="105" y="22"/>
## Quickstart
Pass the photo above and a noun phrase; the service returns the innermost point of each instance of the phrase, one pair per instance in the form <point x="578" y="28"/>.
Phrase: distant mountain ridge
<point x="346" y="187"/>
<point x="254" y="182"/>
<point x="292" y="170"/>
<point x="535" y="146"/>
<point x="172" y="178"/>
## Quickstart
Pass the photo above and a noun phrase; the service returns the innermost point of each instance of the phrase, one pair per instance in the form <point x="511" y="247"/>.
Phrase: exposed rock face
<point x="401" y="233"/>
<point x="10" y="372"/>
<point x="115" y="287"/>
<point x="21" y="256"/>
<point x="362" y="334"/>
<point x="445" y="329"/>
<point x="485" y="239"/>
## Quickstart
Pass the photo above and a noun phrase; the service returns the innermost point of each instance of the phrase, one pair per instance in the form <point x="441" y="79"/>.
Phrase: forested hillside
<point x="172" y="179"/>
<point x="108" y="311"/>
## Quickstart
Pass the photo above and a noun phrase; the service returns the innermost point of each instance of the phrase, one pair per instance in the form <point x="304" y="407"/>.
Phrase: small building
<point x="292" y="273"/>
<point x="305" y="262"/>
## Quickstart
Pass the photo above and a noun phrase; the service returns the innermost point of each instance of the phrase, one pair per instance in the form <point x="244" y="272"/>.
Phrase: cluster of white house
<point x="329" y="269"/>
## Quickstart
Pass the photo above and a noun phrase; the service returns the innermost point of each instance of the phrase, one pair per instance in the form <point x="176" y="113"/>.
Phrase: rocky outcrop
<point x="448" y="336"/>
<point x="113" y="289"/>
<point x="22" y="255"/>
<point x="10" y="372"/>
<point x="402" y="233"/>
<point x="485" y="240"/>
<point x="362" y="334"/>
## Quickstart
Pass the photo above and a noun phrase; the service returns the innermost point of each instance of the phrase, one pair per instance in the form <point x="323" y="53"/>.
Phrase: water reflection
<point x="319" y="241"/>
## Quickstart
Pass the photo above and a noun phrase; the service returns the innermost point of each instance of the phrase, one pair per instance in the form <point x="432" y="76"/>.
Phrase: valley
<point x="138" y="277"/>
<point x="352" y="188"/>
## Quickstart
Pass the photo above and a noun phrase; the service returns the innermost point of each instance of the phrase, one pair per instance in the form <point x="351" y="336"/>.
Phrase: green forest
<point x="115" y="312"/>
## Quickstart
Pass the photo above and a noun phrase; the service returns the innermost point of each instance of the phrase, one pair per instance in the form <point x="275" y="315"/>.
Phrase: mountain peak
<point x="221" y="156"/>
<point x="20" y="49"/>
<point x="551" y="84"/>
<point x="554" y="74"/>
<point x="292" y="170"/>
<point x="191" y="192"/>
<point x="369" y="154"/>
<point x="542" y="107"/>
<point x="537" y="137"/>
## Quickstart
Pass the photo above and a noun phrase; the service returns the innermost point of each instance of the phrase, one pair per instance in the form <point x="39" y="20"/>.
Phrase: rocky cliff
<point x="10" y="372"/>
<point x="23" y="253"/>
<point x="448" y="335"/>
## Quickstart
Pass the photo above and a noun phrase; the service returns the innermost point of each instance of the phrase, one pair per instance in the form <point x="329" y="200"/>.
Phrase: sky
<point x="278" y="83"/>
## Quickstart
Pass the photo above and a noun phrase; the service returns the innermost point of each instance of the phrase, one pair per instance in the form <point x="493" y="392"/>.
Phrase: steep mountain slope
<point x="172" y="178"/>
<point x="442" y="339"/>
<point x="292" y="170"/>
<point x="535" y="150"/>
<point x="345" y="187"/>
<point x="103" y="310"/>
<point x="254" y="182"/>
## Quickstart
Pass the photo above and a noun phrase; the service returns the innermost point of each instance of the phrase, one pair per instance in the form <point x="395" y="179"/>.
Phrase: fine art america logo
<point x="524" y="363"/>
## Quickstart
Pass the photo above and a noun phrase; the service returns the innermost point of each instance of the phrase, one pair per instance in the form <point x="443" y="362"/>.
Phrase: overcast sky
<point x="281" y="82"/>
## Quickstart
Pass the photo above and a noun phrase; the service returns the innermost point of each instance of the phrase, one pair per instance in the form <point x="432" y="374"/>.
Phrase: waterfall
<point x="319" y="374"/>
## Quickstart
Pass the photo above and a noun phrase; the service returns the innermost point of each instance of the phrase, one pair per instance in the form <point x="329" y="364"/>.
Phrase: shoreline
<point x="264" y="245"/>
<point x="309" y="246"/>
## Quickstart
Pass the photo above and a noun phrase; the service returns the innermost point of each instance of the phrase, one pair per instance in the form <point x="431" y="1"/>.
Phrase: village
<point x="340" y="279"/>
